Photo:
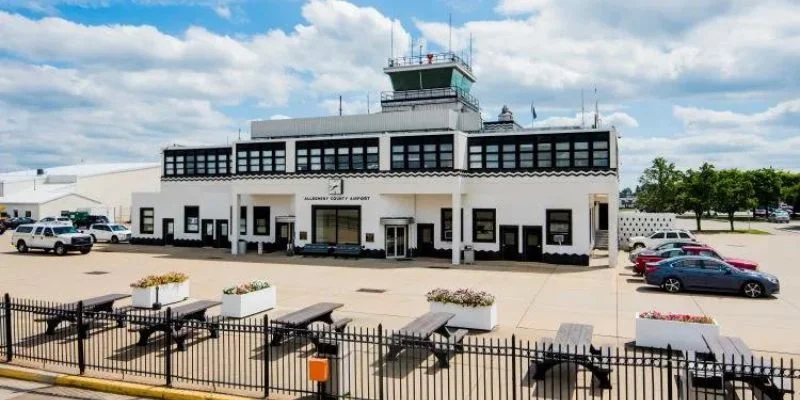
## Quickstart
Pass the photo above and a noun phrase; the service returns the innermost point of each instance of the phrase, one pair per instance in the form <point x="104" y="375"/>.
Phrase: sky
<point x="117" y="80"/>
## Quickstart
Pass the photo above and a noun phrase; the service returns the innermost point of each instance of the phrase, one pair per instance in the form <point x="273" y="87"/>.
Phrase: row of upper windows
<point x="407" y="153"/>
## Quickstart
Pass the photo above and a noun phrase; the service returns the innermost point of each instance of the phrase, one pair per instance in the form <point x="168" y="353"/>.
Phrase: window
<point x="147" y="218"/>
<point x="422" y="152"/>
<point x="256" y="158"/>
<point x="526" y="155"/>
<point x="198" y="162"/>
<point x="16" y="213"/>
<point x="559" y="227"/>
<point x="672" y="235"/>
<point x="24" y="229"/>
<point x="475" y="156"/>
<point x="689" y="264"/>
<point x="261" y="221"/>
<point x="580" y="156"/>
<point x="38" y="231"/>
<point x="243" y="220"/>
<point x="684" y="235"/>
<point x="709" y="253"/>
<point x="562" y="155"/>
<point x="483" y="225"/>
<point x="338" y="155"/>
<point x="509" y="156"/>
<point x="336" y="224"/>
<point x="191" y="219"/>
<point x="27" y="214"/>
<point x="544" y="155"/>
<point x="447" y="224"/>
<point x="600" y="153"/>
<point x="657" y="235"/>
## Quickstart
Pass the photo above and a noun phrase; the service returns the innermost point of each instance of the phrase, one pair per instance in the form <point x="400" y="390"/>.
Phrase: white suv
<point x="658" y="238"/>
<point x="113" y="233"/>
<point x="56" y="221"/>
<point x="58" y="238"/>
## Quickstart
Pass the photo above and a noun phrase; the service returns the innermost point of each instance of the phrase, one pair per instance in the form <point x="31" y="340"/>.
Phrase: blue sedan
<point x="709" y="274"/>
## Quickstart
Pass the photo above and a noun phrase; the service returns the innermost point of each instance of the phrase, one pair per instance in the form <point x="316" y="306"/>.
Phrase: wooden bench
<point x="179" y="328"/>
<point x="737" y="363"/>
<point x="316" y="249"/>
<point x="417" y="334"/>
<point x="91" y="307"/>
<point x="347" y="250"/>
<point x="298" y="323"/>
<point x="572" y="344"/>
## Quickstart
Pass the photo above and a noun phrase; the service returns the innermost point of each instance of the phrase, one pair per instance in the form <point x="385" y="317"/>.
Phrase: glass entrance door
<point x="396" y="241"/>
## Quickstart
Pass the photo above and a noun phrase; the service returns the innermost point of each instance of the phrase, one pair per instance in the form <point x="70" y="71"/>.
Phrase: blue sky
<point x="115" y="80"/>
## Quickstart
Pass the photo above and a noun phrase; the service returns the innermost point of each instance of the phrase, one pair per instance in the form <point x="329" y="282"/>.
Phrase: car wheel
<point x="638" y="246"/>
<point x="672" y="285"/>
<point x="114" y="240"/>
<point x="60" y="249"/>
<point x="86" y="250"/>
<point x="94" y="238"/>
<point x="753" y="290"/>
<point x="22" y="247"/>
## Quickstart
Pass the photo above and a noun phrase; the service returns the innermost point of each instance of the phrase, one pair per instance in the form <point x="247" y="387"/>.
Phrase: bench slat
<point x="424" y="325"/>
<point x="309" y="314"/>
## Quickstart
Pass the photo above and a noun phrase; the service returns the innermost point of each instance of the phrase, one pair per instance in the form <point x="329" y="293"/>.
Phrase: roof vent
<point x="40" y="172"/>
<point x="505" y="115"/>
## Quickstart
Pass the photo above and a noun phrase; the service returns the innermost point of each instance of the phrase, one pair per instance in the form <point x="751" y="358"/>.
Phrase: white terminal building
<point x="425" y="177"/>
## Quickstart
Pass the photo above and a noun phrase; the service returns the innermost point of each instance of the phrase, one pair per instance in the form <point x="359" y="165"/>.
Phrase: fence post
<point x="267" y="351"/>
<point x="514" y="366"/>
<point x="168" y="351"/>
<point x="81" y="336"/>
<point x="8" y="331"/>
<point x="669" y="371"/>
<point x="380" y="361"/>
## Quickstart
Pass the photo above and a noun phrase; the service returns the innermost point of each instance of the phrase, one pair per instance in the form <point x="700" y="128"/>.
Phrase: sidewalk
<point x="24" y="390"/>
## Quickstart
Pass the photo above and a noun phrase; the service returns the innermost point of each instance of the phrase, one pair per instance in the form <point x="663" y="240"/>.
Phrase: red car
<point x="642" y="261"/>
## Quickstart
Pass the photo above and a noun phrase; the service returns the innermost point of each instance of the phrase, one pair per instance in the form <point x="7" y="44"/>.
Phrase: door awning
<point x="285" y="218"/>
<point x="397" y="220"/>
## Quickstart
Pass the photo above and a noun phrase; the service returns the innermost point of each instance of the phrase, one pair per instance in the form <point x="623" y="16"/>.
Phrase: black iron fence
<point x="236" y="356"/>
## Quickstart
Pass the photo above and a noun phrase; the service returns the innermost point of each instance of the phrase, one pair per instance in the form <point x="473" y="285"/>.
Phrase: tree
<point x="790" y="183"/>
<point x="766" y="186"/>
<point x="734" y="192"/>
<point x="697" y="191"/>
<point x="658" y="187"/>
<point x="627" y="192"/>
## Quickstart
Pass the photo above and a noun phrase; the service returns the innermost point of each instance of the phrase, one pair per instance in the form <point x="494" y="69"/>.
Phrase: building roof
<point x="79" y="170"/>
<point x="44" y="193"/>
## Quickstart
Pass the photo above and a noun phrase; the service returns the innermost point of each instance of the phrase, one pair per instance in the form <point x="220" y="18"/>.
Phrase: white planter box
<point x="167" y="294"/>
<point x="242" y="305"/>
<point x="680" y="335"/>
<point x="483" y="318"/>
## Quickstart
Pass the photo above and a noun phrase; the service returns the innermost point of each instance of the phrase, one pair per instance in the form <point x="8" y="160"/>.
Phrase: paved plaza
<point x="532" y="299"/>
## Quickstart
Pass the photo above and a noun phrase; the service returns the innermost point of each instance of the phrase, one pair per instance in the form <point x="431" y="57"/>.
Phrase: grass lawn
<point x="745" y="231"/>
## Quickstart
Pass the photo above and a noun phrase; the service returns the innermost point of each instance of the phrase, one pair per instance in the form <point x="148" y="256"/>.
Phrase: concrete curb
<point x="110" y="386"/>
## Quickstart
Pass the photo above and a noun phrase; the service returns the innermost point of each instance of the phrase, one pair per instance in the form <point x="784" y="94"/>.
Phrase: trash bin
<point x="242" y="247"/>
<point x="290" y="249"/>
<point x="469" y="255"/>
<point x="260" y="247"/>
<point x="340" y="368"/>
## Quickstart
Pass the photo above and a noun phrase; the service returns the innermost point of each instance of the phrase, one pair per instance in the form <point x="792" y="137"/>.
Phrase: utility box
<point x="242" y="247"/>
<point x="339" y="368"/>
<point x="260" y="247"/>
<point x="469" y="255"/>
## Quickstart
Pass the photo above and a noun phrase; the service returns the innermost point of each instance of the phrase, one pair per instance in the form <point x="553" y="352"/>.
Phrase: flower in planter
<point x="695" y="319"/>
<point x="155" y="280"/>
<point x="247" y="287"/>
<point x="463" y="297"/>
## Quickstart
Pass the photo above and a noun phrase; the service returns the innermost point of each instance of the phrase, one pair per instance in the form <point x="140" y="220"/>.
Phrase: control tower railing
<point x="429" y="94"/>
<point x="440" y="58"/>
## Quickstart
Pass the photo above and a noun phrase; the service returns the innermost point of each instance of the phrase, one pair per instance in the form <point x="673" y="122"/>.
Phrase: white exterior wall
<point x="21" y="208"/>
<point x="66" y="203"/>
<point x="114" y="190"/>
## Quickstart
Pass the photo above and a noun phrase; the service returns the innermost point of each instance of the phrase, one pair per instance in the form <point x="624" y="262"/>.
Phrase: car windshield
<point x="60" y="230"/>
<point x="117" y="228"/>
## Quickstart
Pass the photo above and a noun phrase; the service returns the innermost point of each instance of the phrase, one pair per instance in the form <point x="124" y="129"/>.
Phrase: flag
<point x="533" y="111"/>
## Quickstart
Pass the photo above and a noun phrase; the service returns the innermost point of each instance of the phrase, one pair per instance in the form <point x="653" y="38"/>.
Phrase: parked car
<point x="705" y="251"/>
<point x="59" y="238"/>
<point x="760" y="212"/>
<point x="56" y="221"/>
<point x="658" y="238"/>
<point x="113" y="233"/>
<point x="779" y="216"/>
<point x="670" y="244"/>
<point x="709" y="274"/>
<point x="86" y="221"/>
<point x="13" y="223"/>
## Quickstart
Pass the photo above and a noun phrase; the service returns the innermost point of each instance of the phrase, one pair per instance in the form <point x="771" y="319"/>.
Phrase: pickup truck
<point x="58" y="238"/>
<point x="113" y="233"/>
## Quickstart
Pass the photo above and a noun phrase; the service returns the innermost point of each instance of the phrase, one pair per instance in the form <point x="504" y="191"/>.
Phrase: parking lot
<point x="532" y="300"/>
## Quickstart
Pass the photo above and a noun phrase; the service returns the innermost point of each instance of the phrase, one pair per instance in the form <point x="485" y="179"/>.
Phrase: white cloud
<point x="223" y="11"/>
<point x="700" y="118"/>
<point x="279" y="116"/>
<point x="620" y="120"/>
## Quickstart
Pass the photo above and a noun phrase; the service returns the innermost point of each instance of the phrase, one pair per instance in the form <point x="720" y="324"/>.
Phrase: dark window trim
<point x="141" y="221"/>
<point x="441" y="224"/>
<point x="242" y="216"/>
<point x="271" y="146"/>
<point x="186" y="219"/>
<point x="475" y="239"/>
<point x="337" y="208"/>
<point x="364" y="144"/>
<point x="257" y="210"/>
<point x="550" y="241"/>
<point x="227" y="151"/>
<point x="517" y="140"/>
<point x="421" y="141"/>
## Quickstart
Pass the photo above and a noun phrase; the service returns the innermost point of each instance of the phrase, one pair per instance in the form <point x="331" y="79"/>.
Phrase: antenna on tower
<point x="596" y="110"/>
<point x="450" y="33"/>
<point x="412" y="46"/>
<point x="340" y="105"/>
<point x="583" y="111"/>
<point x="391" y="41"/>
<point x="470" y="48"/>
<point x="367" y="102"/>
<point x="240" y="133"/>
